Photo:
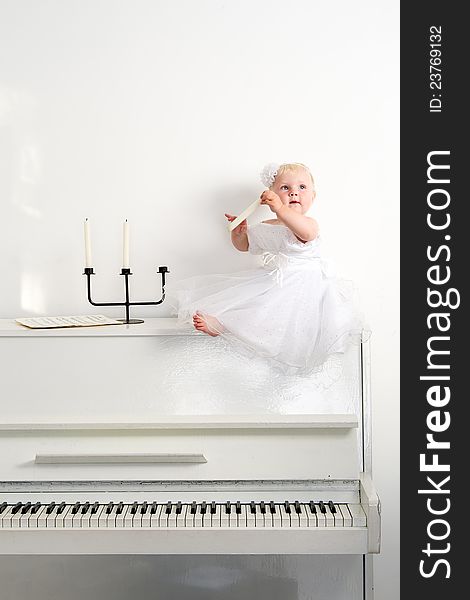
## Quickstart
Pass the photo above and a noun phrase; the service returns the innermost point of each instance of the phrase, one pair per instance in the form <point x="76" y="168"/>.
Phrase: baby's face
<point x="295" y="189"/>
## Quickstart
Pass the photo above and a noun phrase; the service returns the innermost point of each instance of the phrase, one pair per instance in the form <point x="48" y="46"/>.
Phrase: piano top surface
<point x="151" y="327"/>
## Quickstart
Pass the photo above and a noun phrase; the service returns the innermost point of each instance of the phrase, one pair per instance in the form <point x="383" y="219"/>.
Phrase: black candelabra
<point x="126" y="272"/>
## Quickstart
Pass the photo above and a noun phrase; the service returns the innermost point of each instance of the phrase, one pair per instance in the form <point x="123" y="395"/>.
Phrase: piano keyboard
<point x="210" y="514"/>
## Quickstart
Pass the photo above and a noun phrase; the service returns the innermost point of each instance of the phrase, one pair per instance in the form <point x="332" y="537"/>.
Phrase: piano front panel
<point x="135" y="373"/>
<point x="185" y="454"/>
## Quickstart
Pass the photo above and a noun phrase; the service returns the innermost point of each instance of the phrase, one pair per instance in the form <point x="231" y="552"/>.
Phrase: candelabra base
<point x="130" y="321"/>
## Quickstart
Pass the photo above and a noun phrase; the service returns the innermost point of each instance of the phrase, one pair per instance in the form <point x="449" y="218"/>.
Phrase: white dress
<point x="292" y="310"/>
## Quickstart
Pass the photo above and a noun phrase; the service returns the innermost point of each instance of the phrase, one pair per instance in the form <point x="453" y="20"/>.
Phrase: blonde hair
<point x="289" y="167"/>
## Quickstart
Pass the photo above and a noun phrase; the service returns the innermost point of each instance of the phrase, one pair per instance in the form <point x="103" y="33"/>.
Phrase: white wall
<point x="164" y="113"/>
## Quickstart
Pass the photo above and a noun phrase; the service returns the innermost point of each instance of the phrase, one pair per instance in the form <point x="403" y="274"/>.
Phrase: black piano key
<point x="287" y="507"/>
<point x="272" y="507"/>
<point x="153" y="510"/>
<point x="3" y="506"/>
<point x="193" y="509"/>
<point x="322" y="507"/>
<point x="85" y="508"/>
<point x="143" y="510"/>
<point x="61" y="508"/>
<point x="16" y="508"/>
<point x="109" y="508"/>
<point x="120" y="508"/>
<point x="168" y="508"/>
<point x="228" y="508"/>
<point x="179" y="508"/>
<point x="332" y="506"/>
<point x="76" y="508"/>
<point x="135" y="506"/>
<point x="262" y="507"/>
<point x="26" y="508"/>
<point x="213" y="507"/>
<point x="297" y="507"/>
<point x="35" y="508"/>
<point x="252" y="507"/>
<point x="313" y="508"/>
<point x="238" y="507"/>
<point x="203" y="507"/>
<point x="50" y="508"/>
<point x="95" y="507"/>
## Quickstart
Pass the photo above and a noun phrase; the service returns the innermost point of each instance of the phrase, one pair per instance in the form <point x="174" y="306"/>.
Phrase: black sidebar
<point x="435" y="261"/>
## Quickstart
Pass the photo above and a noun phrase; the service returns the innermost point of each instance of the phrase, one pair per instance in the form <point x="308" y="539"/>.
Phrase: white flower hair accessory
<point x="268" y="174"/>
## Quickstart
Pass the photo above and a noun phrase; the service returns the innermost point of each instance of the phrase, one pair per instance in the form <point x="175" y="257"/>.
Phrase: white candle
<point x="125" y="246"/>
<point x="87" y="244"/>
<point x="244" y="215"/>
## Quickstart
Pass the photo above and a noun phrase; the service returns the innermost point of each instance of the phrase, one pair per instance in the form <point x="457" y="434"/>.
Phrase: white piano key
<point x="23" y="520"/>
<point x="215" y="520"/>
<point x="188" y="516"/>
<point x="295" y="516"/>
<point x="312" y="516"/>
<point x="285" y="517"/>
<point x="131" y="515"/>
<point x="105" y="518"/>
<point x="121" y="511"/>
<point x="136" y="516"/>
<point x="146" y="517"/>
<point x="63" y="519"/>
<point x="358" y="515"/>
<point x="276" y="516"/>
<point x="321" y="517"/>
<point x="329" y="517"/>
<point x="224" y="517"/>
<point x="199" y="517"/>
<point x="42" y="517"/>
<point x="34" y="517"/>
<point x="94" y="518"/>
<point x="49" y="519"/>
<point x="77" y="519"/>
<point x="262" y="517"/>
<point x="240" y="513"/>
<point x="128" y="516"/>
<point x="68" y="518"/>
<point x="303" y="516"/>
<point x="175" y="519"/>
<point x="347" y="519"/>
<point x="338" y="515"/>
<point x="164" y="516"/>
<point x="233" y="517"/>
<point x="6" y="516"/>
<point x="85" y="518"/>
<point x="250" y="518"/>
<point x="155" y="516"/>
<point x="16" y="518"/>
<point x="29" y="517"/>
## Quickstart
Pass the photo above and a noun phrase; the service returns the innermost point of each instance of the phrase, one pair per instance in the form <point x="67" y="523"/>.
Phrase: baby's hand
<point x="240" y="229"/>
<point x="272" y="200"/>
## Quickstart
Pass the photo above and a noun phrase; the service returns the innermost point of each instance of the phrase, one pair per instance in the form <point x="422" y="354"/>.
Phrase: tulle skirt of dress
<point x="297" y="318"/>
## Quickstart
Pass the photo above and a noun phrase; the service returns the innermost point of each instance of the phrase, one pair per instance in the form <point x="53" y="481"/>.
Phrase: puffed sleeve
<point x="254" y="240"/>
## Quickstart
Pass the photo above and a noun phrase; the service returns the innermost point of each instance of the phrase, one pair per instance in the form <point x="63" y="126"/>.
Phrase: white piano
<point x="146" y="440"/>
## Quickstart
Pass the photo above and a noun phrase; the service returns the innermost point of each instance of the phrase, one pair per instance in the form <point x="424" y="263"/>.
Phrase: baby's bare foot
<point x="207" y="324"/>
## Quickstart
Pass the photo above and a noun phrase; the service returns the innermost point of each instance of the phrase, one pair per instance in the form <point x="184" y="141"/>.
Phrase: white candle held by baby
<point x="244" y="215"/>
<point x="125" y="245"/>
<point x="87" y="244"/>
